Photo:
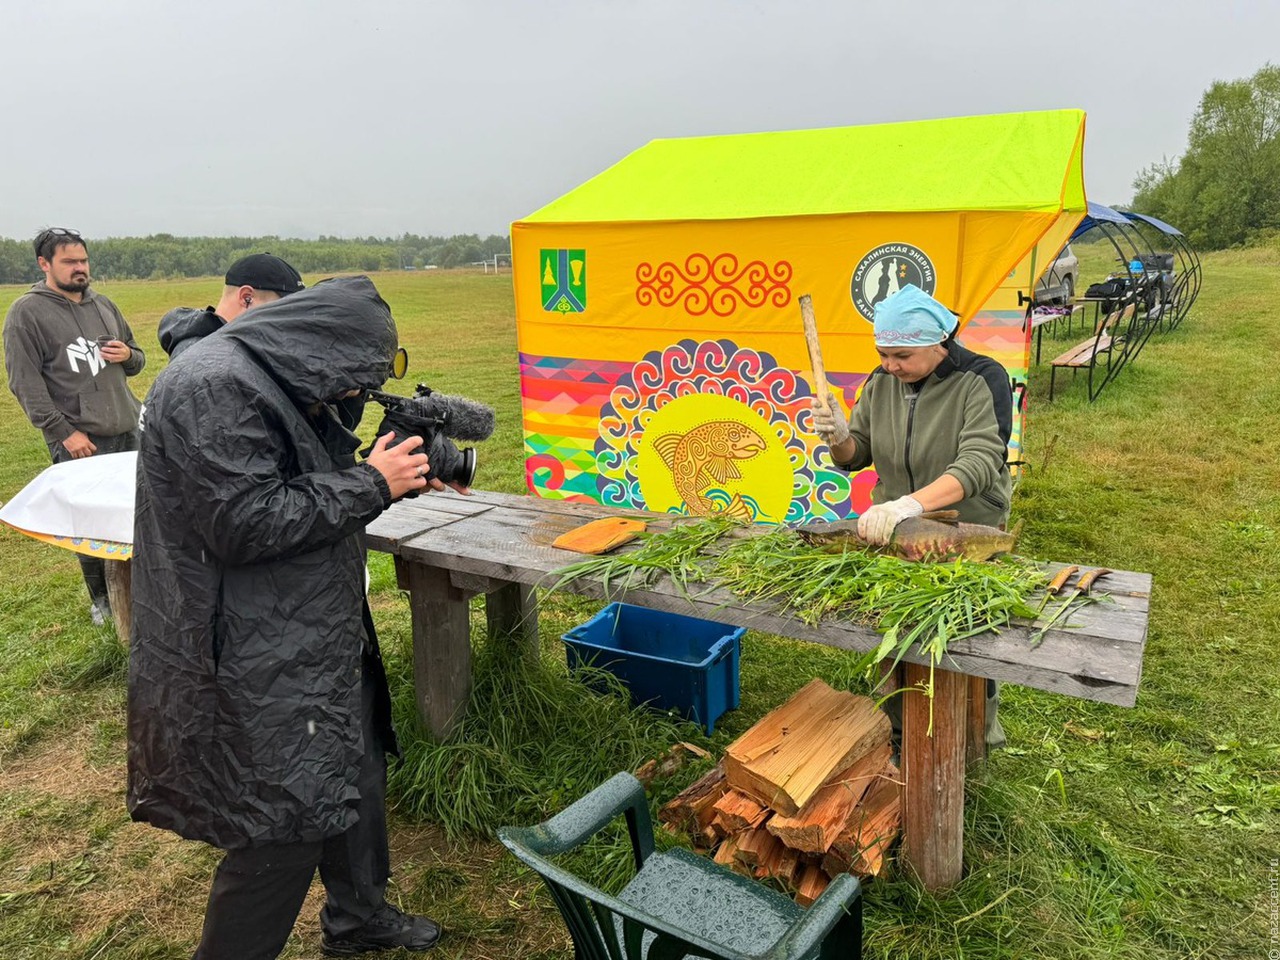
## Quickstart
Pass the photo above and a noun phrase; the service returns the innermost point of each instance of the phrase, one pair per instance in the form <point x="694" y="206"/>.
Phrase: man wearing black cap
<point x="253" y="280"/>
<point x="250" y="282"/>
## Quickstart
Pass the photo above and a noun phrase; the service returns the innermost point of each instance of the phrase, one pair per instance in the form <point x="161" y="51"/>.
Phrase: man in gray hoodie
<point x="68" y="352"/>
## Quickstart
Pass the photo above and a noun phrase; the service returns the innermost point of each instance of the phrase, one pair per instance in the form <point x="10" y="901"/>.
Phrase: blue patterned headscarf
<point x="912" y="318"/>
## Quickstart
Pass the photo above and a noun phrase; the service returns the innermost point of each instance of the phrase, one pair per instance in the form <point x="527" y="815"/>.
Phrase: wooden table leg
<point x="933" y="770"/>
<point x="441" y="645"/>
<point x="976" y="750"/>
<point x="512" y="615"/>
<point x="119" y="574"/>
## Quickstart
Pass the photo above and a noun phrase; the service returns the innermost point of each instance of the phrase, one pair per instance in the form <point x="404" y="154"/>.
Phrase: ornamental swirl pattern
<point x="714" y="284"/>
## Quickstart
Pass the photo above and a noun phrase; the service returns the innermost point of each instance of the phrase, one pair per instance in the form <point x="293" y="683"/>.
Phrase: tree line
<point x="1225" y="189"/>
<point x="163" y="256"/>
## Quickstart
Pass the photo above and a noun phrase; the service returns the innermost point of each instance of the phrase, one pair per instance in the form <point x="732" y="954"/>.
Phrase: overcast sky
<point x="376" y="117"/>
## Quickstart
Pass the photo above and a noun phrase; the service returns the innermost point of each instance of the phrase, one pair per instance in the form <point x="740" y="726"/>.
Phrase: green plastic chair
<point x="679" y="904"/>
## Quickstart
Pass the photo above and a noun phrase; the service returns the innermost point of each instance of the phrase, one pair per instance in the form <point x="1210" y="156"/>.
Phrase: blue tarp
<point x="1099" y="214"/>
<point x="1158" y="224"/>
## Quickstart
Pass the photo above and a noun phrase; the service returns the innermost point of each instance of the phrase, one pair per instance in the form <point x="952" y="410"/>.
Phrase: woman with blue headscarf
<point x="934" y="419"/>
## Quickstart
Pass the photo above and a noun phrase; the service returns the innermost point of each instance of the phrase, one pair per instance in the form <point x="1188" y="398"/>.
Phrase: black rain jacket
<point x="249" y="614"/>
<point x="183" y="327"/>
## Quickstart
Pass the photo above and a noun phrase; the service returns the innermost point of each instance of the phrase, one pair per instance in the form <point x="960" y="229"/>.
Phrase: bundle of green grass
<point x="930" y="604"/>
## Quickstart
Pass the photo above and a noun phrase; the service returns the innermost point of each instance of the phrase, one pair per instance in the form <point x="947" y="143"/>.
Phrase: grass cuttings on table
<point x="910" y="602"/>
<point x="678" y="553"/>
<point x="929" y="604"/>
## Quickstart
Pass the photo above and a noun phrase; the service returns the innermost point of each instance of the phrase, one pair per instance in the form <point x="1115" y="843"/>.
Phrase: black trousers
<point x="258" y="891"/>
<point x="95" y="573"/>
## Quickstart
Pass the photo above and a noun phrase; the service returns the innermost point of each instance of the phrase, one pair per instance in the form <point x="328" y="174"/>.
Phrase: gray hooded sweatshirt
<point x="56" y="371"/>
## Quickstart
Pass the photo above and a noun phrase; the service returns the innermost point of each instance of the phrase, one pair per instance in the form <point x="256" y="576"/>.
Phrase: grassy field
<point x="1101" y="832"/>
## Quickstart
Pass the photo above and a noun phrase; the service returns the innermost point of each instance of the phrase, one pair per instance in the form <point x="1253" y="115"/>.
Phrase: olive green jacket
<point x="956" y="421"/>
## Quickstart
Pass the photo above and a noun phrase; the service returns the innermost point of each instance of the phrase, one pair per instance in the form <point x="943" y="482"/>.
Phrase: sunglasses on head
<point x="51" y="234"/>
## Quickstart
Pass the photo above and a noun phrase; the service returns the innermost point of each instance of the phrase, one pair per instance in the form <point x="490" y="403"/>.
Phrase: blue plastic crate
<point x="668" y="661"/>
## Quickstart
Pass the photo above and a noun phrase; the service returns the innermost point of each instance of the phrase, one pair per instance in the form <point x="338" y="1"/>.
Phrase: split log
<point x="786" y="758"/>
<point x="755" y="847"/>
<point x="787" y="869"/>
<point x="669" y="763"/>
<point x="702" y="837"/>
<point x="736" y="811"/>
<point x="810" y="884"/>
<point x="861" y="848"/>
<point x="815" y="827"/>
<point x="726" y="852"/>
<point x="766" y="864"/>
<point x="691" y="810"/>
<point x="780" y="866"/>
<point x="726" y="856"/>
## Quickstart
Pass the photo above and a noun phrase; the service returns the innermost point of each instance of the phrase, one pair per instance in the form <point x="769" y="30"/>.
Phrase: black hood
<point x="183" y="326"/>
<point x="320" y="342"/>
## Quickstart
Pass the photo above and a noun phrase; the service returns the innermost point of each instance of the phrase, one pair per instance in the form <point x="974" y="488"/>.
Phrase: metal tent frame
<point x="1135" y="309"/>
<point x="1187" y="286"/>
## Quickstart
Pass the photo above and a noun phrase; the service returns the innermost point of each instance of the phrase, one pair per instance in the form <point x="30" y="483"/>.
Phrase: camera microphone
<point x="437" y="417"/>
<point x="460" y="417"/>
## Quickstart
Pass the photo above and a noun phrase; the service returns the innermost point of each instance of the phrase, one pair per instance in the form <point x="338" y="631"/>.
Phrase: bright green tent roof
<point x="1013" y="161"/>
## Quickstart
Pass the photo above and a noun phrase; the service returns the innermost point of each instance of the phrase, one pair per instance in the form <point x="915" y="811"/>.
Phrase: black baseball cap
<point x="263" y="271"/>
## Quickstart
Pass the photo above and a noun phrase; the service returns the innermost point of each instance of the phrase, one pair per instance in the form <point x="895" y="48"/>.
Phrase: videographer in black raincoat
<point x="259" y="717"/>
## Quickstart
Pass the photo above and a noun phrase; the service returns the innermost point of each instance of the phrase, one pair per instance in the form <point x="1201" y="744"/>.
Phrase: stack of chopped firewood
<point x="807" y="793"/>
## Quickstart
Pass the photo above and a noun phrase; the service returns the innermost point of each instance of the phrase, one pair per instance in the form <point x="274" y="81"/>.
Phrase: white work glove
<point x="829" y="422"/>
<point x="876" y="525"/>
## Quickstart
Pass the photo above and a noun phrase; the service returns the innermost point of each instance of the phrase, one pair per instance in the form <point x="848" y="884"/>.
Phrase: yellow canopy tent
<point x="656" y="303"/>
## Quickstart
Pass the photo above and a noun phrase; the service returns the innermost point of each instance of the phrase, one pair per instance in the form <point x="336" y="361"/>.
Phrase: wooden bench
<point x="1085" y="355"/>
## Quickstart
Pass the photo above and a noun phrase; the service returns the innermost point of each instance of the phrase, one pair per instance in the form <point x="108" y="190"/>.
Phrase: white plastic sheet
<point x="90" y="498"/>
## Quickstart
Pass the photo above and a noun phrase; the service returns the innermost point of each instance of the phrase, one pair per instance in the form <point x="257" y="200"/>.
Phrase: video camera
<point x="437" y="417"/>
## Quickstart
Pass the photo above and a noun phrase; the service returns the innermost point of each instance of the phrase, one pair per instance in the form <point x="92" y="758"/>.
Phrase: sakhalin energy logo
<point x="883" y="272"/>
<point x="564" y="281"/>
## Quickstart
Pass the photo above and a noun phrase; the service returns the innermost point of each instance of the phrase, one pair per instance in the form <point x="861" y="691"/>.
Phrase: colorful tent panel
<point x="663" y="363"/>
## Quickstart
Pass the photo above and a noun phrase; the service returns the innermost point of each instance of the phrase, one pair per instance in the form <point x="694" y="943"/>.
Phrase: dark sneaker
<point x="388" y="929"/>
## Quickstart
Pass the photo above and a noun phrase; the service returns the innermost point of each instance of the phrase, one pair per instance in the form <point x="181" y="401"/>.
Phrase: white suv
<point x="1058" y="282"/>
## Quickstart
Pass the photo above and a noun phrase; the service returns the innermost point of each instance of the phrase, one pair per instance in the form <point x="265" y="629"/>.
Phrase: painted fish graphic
<point x="704" y="457"/>
<point x="934" y="536"/>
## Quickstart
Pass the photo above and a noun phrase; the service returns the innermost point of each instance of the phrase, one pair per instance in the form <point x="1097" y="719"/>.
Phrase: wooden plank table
<point x="449" y="548"/>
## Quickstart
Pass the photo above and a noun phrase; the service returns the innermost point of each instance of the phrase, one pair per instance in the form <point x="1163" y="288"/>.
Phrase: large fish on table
<point x="933" y="536"/>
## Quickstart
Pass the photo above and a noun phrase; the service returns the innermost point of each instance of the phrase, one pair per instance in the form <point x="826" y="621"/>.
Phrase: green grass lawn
<point x="1100" y="833"/>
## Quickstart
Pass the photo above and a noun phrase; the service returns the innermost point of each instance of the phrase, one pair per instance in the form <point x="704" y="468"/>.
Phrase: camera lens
<point x="448" y="463"/>
<point x="465" y="473"/>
